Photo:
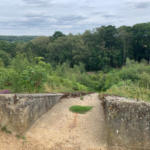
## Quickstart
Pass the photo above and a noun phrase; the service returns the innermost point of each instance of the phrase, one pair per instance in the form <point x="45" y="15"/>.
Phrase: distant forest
<point x="102" y="48"/>
<point x="17" y="38"/>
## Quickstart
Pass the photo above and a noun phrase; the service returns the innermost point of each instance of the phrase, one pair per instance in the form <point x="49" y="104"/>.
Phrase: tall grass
<point x="130" y="90"/>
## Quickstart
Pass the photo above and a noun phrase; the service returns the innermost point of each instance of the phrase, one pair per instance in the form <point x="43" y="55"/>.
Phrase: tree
<point x="5" y="58"/>
<point x="39" y="45"/>
<point x="58" y="51"/>
<point x="141" y="41"/>
<point x="80" y="50"/>
<point x="126" y="37"/>
<point x="1" y="63"/>
<point x="57" y="34"/>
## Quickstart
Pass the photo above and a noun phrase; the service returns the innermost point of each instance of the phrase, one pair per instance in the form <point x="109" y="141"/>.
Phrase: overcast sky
<point x="44" y="17"/>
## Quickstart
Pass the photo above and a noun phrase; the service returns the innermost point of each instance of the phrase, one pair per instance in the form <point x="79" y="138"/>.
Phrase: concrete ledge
<point x="18" y="112"/>
<point x="128" y="123"/>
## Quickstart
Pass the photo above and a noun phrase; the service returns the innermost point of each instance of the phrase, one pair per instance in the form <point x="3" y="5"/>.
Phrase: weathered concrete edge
<point x="18" y="117"/>
<point x="9" y="97"/>
<point x="116" y="99"/>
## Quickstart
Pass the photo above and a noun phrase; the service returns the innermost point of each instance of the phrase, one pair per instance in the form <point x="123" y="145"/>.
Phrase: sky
<point x="44" y="17"/>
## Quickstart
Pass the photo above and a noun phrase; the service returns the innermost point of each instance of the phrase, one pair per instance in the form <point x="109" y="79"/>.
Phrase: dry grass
<point x="131" y="91"/>
<point x="54" y="89"/>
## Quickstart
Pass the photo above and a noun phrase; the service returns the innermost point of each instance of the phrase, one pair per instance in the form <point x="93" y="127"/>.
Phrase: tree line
<point x="102" y="48"/>
<point x="17" y="38"/>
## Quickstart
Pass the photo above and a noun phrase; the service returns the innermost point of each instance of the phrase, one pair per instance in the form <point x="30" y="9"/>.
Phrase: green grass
<point x="80" y="109"/>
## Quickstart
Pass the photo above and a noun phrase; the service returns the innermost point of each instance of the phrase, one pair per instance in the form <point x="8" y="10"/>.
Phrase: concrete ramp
<point x="60" y="129"/>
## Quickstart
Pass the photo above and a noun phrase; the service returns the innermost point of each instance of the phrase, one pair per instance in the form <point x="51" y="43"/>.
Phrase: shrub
<point x="10" y="78"/>
<point x="32" y="78"/>
<point x="144" y="80"/>
<point x="111" y="79"/>
<point x="59" y="84"/>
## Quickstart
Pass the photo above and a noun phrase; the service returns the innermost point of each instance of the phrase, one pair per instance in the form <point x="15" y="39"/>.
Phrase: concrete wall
<point x="19" y="111"/>
<point x="128" y="124"/>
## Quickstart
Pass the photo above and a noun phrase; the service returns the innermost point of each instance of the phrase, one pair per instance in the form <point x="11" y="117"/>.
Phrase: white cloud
<point x="44" y="17"/>
<point x="138" y="3"/>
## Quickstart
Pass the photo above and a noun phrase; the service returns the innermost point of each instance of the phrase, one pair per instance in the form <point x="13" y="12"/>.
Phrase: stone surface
<point x="128" y="123"/>
<point x="18" y="112"/>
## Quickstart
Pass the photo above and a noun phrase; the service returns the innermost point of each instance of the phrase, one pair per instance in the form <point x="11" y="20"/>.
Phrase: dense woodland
<point x="59" y="63"/>
<point x="102" y="48"/>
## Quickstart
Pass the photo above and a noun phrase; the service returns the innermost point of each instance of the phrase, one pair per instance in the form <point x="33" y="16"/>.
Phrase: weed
<point x="7" y="131"/>
<point x="4" y="128"/>
<point x="81" y="97"/>
<point x="18" y="136"/>
<point x="23" y="137"/>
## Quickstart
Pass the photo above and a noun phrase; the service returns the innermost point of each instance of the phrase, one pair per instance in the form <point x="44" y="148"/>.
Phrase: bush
<point x="111" y="79"/>
<point x="132" y="71"/>
<point x="59" y="84"/>
<point x="32" y="78"/>
<point x="144" y="80"/>
<point x="10" y="79"/>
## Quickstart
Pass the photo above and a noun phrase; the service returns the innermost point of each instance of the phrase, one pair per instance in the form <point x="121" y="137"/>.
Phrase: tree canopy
<point x="99" y="49"/>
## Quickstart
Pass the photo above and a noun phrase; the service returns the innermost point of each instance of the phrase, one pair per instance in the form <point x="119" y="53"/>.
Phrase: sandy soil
<point x="60" y="129"/>
<point x="10" y="142"/>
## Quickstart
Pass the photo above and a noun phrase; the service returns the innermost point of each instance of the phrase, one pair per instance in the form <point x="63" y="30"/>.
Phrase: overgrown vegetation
<point x="132" y="81"/>
<point x="119" y="56"/>
<point x="103" y="48"/>
<point x="80" y="109"/>
<point x="37" y="76"/>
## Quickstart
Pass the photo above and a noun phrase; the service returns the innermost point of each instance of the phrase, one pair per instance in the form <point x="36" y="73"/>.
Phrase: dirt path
<point x="60" y="129"/>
